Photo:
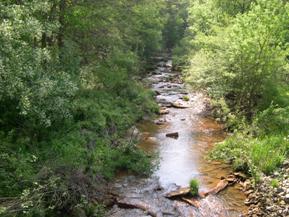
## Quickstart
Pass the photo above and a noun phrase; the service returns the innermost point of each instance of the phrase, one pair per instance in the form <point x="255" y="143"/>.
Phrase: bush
<point x="194" y="187"/>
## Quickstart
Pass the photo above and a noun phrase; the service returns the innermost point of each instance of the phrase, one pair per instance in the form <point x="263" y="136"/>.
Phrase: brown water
<point x="182" y="158"/>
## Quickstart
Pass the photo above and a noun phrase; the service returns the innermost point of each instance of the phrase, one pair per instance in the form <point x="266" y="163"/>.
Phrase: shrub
<point x="194" y="187"/>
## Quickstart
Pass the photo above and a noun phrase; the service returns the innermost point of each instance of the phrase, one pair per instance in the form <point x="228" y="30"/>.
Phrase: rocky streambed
<point x="181" y="136"/>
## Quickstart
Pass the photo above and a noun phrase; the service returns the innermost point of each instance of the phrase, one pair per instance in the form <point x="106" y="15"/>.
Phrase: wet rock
<point x="152" y="139"/>
<point x="219" y="187"/>
<point x="184" y="211"/>
<point x="180" y="104"/>
<point x="178" y="192"/>
<point x="240" y="175"/>
<point x="138" y="204"/>
<point x="157" y="92"/>
<point x="192" y="201"/>
<point x="160" y="121"/>
<point x="173" y="135"/>
<point x="164" y="111"/>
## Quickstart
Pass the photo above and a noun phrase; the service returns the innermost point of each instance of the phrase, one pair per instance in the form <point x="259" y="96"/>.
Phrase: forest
<point x="71" y="88"/>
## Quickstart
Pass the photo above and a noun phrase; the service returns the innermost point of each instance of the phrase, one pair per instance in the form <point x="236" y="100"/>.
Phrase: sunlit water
<point x="183" y="158"/>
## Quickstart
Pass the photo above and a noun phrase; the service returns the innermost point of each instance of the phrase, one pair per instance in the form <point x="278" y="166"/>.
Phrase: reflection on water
<point x="184" y="158"/>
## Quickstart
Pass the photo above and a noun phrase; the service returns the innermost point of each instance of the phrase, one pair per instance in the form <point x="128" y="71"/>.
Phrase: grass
<point x="194" y="187"/>
<point x="274" y="183"/>
<point x="260" y="146"/>
<point x="253" y="155"/>
<point x="186" y="98"/>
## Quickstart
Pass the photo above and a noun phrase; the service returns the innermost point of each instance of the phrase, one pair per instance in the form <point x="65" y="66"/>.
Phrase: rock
<point x="173" y="135"/>
<point x="240" y="175"/>
<point x="152" y="139"/>
<point x="219" y="187"/>
<point x="164" y="111"/>
<point x="279" y="190"/>
<point x="192" y="201"/>
<point x="184" y="211"/>
<point x="134" y="203"/>
<point x="247" y="202"/>
<point x="286" y="198"/>
<point x="231" y="179"/>
<point x="249" y="192"/>
<point x="178" y="192"/>
<point x="160" y="122"/>
<point x="168" y="65"/>
<point x="157" y="92"/>
<point x="181" y="105"/>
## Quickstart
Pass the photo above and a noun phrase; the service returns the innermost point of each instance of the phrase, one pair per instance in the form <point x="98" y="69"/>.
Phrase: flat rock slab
<point x="178" y="192"/>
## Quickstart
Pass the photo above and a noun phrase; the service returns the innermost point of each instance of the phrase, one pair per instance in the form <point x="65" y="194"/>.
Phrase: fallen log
<point x="137" y="204"/>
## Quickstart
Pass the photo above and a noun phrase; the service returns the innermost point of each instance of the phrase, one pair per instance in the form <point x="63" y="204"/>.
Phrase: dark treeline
<point x="68" y="95"/>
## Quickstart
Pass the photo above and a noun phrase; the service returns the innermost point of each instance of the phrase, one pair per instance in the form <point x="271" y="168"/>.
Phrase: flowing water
<point x="180" y="158"/>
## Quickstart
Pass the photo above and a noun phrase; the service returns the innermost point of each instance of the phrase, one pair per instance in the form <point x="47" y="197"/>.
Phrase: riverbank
<point x="270" y="197"/>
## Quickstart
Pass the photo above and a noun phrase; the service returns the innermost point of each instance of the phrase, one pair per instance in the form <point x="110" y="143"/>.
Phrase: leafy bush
<point x="238" y="55"/>
<point x="69" y="91"/>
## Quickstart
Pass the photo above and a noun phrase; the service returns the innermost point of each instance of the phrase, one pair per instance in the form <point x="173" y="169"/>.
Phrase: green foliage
<point x="237" y="51"/>
<point x="186" y="98"/>
<point x="244" y="60"/>
<point x="176" y="24"/>
<point x="194" y="187"/>
<point x="253" y="155"/>
<point x="274" y="183"/>
<point x="69" y="92"/>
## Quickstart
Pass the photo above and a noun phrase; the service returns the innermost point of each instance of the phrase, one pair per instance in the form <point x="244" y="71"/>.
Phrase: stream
<point x="181" y="157"/>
